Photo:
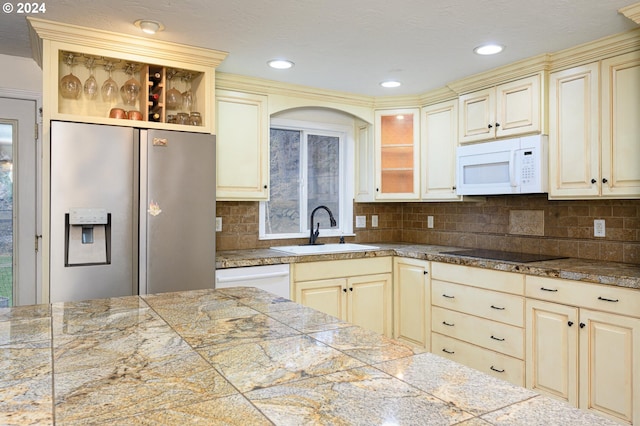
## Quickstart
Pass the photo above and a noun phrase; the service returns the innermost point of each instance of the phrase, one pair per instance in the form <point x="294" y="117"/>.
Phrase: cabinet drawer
<point x="493" y="335"/>
<point x="606" y="298"/>
<point x="507" y="308"/>
<point x="501" y="366"/>
<point x="341" y="268"/>
<point x="507" y="282"/>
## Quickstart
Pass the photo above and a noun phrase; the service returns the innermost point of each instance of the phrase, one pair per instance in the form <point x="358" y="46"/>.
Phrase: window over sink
<point x="310" y="165"/>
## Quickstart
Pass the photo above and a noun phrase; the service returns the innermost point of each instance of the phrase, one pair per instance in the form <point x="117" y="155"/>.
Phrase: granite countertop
<point x="238" y="356"/>
<point x="611" y="273"/>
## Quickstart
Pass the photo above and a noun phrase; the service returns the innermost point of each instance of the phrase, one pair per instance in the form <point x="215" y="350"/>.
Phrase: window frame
<point x="346" y="174"/>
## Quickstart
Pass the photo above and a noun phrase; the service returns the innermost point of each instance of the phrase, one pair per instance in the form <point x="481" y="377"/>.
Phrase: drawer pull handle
<point x="608" y="300"/>
<point x="448" y="352"/>
<point x="448" y="297"/>
<point x="497" y="307"/>
<point x="448" y="324"/>
<point x="497" y="338"/>
<point x="497" y="370"/>
<point x="549" y="289"/>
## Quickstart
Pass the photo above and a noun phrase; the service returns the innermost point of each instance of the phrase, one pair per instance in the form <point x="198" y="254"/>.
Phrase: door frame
<point x="28" y="95"/>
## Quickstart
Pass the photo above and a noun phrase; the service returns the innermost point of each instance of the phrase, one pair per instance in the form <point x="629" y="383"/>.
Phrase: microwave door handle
<point x="512" y="168"/>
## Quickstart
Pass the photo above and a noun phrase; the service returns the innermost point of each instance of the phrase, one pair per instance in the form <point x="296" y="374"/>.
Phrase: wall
<point x="567" y="226"/>
<point x="20" y="73"/>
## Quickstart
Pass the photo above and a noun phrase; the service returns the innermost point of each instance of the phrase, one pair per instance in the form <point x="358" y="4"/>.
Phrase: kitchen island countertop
<point x="238" y="356"/>
<point x="594" y="271"/>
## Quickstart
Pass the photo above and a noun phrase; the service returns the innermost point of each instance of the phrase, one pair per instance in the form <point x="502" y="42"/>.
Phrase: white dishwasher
<point x="271" y="278"/>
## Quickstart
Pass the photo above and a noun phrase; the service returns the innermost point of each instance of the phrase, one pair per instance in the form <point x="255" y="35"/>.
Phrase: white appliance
<point x="511" y="166"/>
<point x="132" y="211"/>
<point x="271" y="278"/>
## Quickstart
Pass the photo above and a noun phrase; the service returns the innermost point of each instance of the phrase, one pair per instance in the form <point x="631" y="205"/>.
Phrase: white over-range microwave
<point x="510" y="166"/>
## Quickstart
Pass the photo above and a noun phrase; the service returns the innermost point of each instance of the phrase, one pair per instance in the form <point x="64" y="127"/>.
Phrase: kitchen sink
<point x="325" y="248"/>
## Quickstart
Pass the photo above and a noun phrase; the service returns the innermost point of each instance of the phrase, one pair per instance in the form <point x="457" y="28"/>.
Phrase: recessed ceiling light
<point x="149" y="27"/>
<point x="280" y="64"/>
<point x="390" y="83"/>
<point x="488" y="49"/>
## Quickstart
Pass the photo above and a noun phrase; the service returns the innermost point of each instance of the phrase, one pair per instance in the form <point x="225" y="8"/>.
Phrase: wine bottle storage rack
<point x="103" y="68"/>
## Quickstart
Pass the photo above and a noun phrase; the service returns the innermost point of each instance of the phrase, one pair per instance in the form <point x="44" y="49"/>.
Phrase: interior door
<point x="18" y="213"/>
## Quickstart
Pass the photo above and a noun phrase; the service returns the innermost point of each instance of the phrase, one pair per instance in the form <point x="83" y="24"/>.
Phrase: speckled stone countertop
<point x="612" y="273"/>
<point x="238" y="356"/>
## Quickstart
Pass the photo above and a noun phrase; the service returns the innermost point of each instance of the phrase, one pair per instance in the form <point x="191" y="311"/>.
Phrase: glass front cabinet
<point x="397" y="139"/>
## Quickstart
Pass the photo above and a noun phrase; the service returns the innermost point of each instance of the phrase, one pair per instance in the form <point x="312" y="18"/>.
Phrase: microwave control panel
<point x="528" y="164"/>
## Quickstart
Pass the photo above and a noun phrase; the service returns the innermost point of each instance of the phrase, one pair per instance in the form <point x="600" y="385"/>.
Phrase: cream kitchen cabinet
<point x="355" y="290"/>
<point x="439" y="132"/>
<point x="509" y="109"/>
<point x="477" y="319"/>
<point x="397" y="154"/>
<point x="123" y="59"/>
<point x="583" y="342"/>
<point x="593" y="130"/>
<point x="412" y="301"/>
<point x="242" y="146"/>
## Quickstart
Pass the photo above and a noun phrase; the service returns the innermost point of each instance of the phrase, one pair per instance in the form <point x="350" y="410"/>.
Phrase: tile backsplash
<point x="522" y="223"/>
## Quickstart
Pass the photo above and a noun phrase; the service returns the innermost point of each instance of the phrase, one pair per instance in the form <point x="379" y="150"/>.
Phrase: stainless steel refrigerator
<point x="132" y="211"/>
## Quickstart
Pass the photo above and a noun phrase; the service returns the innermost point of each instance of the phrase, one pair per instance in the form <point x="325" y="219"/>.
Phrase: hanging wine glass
<point x="70" y="85"/>
<point x="90" y="87"/>
<point x="109" y="87"/>
<point x="130" y="90"/>
<point x="187" y="95"/>
<point x="173" y="95"/>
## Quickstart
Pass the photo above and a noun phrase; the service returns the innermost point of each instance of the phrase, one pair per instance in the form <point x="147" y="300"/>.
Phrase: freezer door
<point x="93" y="180"/>
<point x="178" y="217"/>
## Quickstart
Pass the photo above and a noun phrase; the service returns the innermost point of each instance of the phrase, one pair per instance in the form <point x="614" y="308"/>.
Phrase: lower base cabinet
<point x="587" y="357"/>
<point x="356" y="290"/>
<point x="477" y="319"/>
<point x="412" y="301"/>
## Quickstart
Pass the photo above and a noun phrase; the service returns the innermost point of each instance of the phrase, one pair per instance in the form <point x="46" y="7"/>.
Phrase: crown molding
<point x="261" y="86"/>
<point x="500" y="75"/>
<point x="632" y="12"/>
<point x="603" y="48"/>
<point x="41" y="29"/>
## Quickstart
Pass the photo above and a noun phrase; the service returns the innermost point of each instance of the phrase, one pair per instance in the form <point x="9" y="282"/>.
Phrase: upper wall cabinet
<point x="242" y="146"/>
<point x="397" y="142"/>
<point x="107" y="78"/>
<point x="508" y="109"/>
<point x="594" y="145"/>
<point x="438" y="150"/>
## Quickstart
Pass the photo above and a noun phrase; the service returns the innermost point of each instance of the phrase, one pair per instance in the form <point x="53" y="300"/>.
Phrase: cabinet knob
<point x="593" y="181"/>
<point x="344" y="289"/>
<point x="377" y="189"/>
<point x="570" y="323"/>
<point x="489" y="126"/>
<point x="497" y="125"/>
<point x="582" y="325"/>
<point x="604" y="180"/>
<point x="425" y="272"/>
<point x="265" y="187"/>
<point x="350" y="288"/>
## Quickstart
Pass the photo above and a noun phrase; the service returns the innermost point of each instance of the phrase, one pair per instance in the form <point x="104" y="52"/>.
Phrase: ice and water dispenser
<point x="88" y="237"/>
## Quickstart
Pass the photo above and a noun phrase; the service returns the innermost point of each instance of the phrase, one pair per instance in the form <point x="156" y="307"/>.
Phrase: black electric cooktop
<point x="503" y="255"/>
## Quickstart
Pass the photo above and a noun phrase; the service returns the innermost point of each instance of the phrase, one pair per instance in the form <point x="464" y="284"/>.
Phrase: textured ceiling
<point x="348" y="45"/>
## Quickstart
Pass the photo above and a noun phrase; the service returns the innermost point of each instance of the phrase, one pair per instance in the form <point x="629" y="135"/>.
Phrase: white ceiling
<point x="348" y="45"/>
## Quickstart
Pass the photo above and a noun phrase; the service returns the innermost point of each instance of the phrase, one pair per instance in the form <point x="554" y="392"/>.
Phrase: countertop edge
<point x="593" y="271"/>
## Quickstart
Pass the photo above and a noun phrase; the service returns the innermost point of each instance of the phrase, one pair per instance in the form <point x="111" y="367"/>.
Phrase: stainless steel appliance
<point x="132" y="211"/>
